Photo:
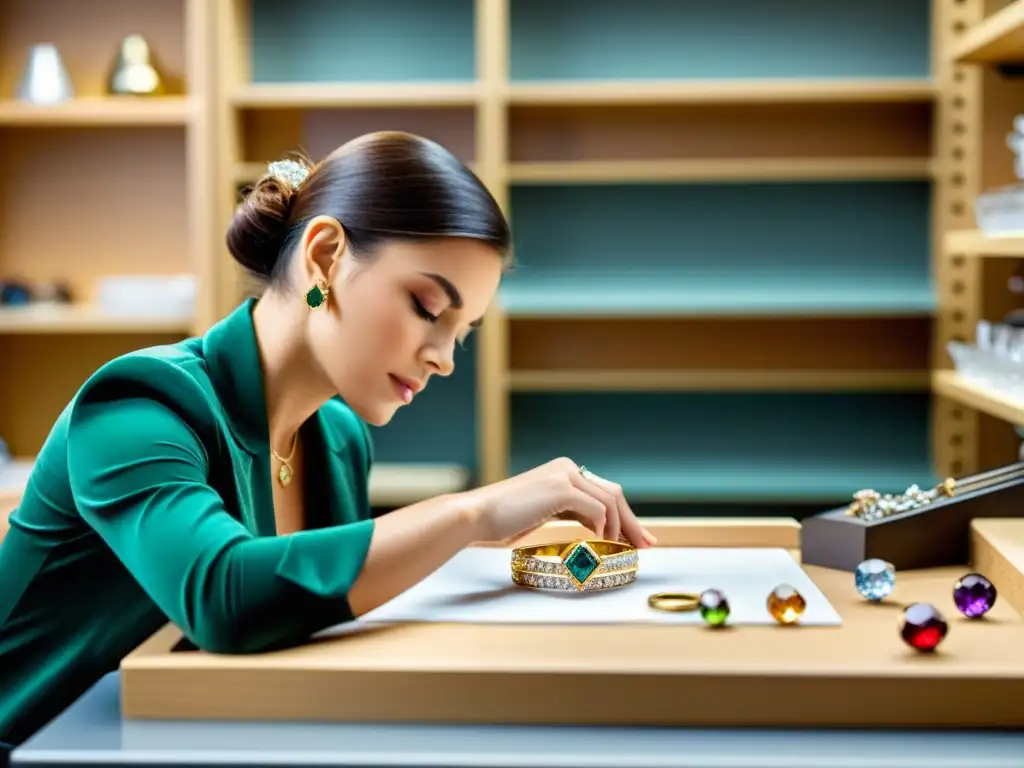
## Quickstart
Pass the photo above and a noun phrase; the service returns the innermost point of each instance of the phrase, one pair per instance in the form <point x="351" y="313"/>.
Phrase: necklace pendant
<point x="284" y="475"/>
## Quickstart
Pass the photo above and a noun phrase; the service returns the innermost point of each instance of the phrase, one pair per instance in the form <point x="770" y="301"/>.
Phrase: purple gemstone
<point x="974" y="595"/>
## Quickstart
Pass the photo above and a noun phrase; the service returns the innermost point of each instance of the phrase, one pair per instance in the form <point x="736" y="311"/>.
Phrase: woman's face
<point x="392" y="322"/>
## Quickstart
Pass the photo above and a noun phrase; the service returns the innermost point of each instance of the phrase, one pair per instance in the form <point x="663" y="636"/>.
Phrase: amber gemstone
<point x="785" y="604"/>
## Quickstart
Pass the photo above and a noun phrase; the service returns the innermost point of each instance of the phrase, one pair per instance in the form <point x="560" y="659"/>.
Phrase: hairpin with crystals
<point x="288" y="171"/>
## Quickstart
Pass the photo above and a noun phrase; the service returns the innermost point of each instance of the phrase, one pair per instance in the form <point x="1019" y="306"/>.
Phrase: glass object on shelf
<point x="147" y="295"/>
<point x="1000" y="211"/>
<point x="44" y="78"/>
<point x="135" y="71"/>
<point x="996" y="357"/>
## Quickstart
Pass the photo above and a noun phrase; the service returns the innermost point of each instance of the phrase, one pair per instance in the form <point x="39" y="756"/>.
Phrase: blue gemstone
<point x="875" y="579"/>
<point x="581" y="563"/>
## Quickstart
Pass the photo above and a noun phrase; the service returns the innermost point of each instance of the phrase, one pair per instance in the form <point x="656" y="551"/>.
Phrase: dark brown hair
<point x="382" y="186"/>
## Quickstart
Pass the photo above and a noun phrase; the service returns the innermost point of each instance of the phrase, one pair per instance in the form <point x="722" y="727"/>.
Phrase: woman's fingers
<point x="586" y="482"/>
<point x="628" y="524"/>
<point x="588" y="510"/>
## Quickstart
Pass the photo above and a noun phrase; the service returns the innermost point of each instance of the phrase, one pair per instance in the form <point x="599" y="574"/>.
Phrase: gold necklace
<point x="284" y="473"/>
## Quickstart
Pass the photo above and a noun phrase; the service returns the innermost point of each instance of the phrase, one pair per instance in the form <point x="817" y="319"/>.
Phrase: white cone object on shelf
<point x="45" y="79"/>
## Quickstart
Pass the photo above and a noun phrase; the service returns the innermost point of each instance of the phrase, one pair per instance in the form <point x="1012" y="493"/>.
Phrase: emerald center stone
<point x="581" y="563"/>
<point x="315" y="297"/>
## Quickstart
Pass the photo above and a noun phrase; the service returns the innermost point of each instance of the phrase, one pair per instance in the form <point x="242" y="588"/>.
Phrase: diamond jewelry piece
<point x="871" y="505"/>
<point x="580" y="565"/>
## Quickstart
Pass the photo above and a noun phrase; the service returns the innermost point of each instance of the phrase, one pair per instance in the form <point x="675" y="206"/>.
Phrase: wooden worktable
<point x="860" y="674"/>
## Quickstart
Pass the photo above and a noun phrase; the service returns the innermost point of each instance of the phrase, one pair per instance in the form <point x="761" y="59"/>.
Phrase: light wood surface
<point x="974" y="242"/>
<point x="979" y="395"/>
<point x="997" y="550"/>
<point x="998" y="39"/>
<point x="860" y="674"/>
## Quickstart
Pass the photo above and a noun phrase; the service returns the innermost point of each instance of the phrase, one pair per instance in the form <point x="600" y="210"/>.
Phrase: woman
<point x="221" y="483"/>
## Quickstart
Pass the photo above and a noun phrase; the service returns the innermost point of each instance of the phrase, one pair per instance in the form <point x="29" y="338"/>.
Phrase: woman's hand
<point x="508" y="509"/>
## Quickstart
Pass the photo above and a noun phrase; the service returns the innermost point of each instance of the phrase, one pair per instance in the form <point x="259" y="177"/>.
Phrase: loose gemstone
<point x="714" y="607"/>
<point x="785" y="604"/>
<point x="315" y="297"/>
<point x="581" y="562"/>
<point x="874" y="579"/>
<point x="922" y="626"/>
<point x="974" y="595"/>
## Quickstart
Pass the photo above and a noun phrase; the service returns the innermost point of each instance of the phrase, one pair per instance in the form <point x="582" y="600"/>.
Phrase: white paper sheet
<point x="476" y="587"/>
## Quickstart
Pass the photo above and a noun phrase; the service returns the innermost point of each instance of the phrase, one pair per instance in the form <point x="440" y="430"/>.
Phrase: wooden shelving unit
<point x="725" y="272"/>
<point x="95" y="187"/>
<point x="984" y="41"/>
<point x="974" y="242"/>
<point x="995" y="39"/>
<point x="979" y="396"/>
<point x="733" y="282"/>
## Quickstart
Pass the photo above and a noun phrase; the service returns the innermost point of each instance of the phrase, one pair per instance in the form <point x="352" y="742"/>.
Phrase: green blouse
<point x="151" y="501"/>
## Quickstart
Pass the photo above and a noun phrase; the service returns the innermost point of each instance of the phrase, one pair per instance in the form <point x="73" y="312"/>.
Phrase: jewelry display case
<point x="916" y="529"/>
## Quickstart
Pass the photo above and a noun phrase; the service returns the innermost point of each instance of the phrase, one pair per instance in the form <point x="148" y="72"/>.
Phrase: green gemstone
<point x="714" y="608"/>
<point x="315" y="297"/>
<point x="581" y="563"/>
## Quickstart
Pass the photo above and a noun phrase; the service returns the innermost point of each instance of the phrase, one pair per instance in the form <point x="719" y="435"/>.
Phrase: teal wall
<point x="362" y="40"/>
<point x="730" y="447"/>
<point x="815" y="248"/>
<point x="606" y="39"/>
<point x="378" y="40"/>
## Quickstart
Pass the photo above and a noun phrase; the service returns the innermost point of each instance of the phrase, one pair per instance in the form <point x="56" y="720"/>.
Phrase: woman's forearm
<point x="409" y="544"/>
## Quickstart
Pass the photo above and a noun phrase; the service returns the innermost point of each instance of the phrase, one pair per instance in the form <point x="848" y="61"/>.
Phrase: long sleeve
<point x="139" y="476"/>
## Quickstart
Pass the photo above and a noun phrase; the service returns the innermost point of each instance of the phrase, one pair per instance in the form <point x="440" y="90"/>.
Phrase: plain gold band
<point x="674" y="602"/>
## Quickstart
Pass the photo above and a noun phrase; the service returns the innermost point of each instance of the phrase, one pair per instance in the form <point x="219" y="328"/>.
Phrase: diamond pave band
<point x="581" y="565"/>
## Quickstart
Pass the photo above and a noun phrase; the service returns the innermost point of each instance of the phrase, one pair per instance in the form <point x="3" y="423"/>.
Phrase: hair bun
<point x="260" y="225"/>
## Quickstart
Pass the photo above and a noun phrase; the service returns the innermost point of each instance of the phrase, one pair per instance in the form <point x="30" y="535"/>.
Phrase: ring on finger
<point x="587" y="474"/>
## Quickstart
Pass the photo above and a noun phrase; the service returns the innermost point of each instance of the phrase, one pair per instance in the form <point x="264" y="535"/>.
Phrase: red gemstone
<point x="923" y="627"/>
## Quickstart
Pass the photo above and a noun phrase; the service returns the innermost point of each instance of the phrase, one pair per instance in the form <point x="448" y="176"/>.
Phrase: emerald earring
<point x="317" y="295"/>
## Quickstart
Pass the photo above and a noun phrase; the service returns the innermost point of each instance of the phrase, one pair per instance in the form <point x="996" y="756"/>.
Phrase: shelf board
<point x="723" y="169"/>
<point x="998" y="39"/>
<point x="722" y="91"/>
<point x="727" y="381"/>
<point x="978" y="395"/>
<point x="397" y="485"/>
<point x="58" y="318"/>
<point x="580" y="297"/>
<point x="248" y="173"/>
<point x="316" y="95"/>
<point x="976" y="243"/>
<point x="106" y="111"/>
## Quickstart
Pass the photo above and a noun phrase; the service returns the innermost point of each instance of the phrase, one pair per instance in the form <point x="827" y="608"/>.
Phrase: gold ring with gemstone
<point x="674" y="602"/>
<point x="582" y="564"/>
